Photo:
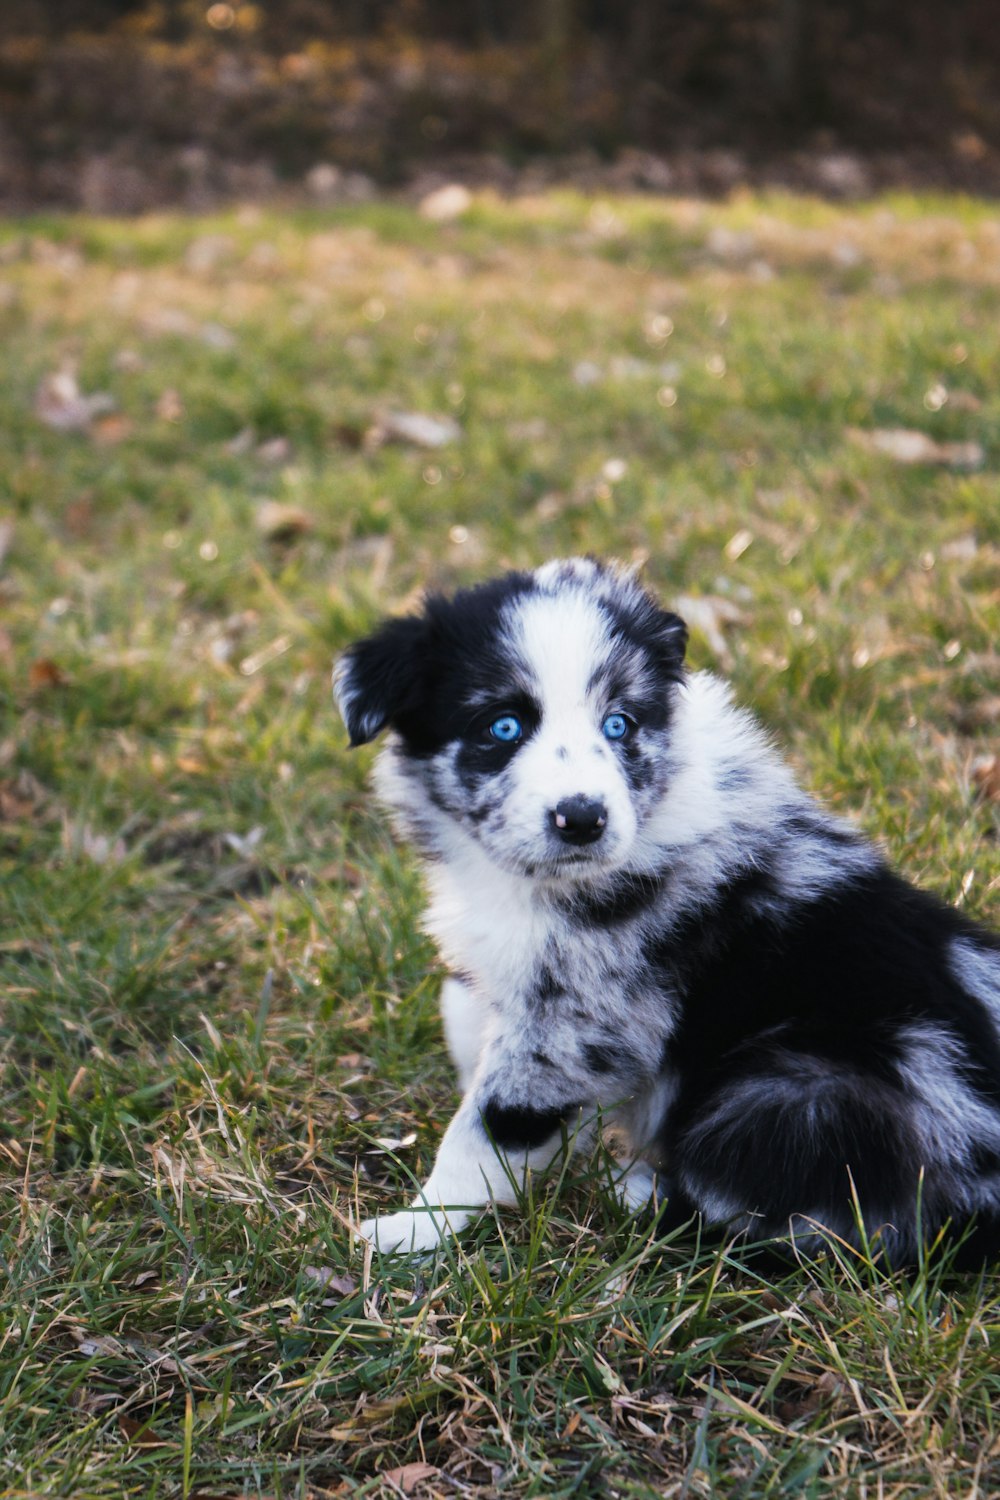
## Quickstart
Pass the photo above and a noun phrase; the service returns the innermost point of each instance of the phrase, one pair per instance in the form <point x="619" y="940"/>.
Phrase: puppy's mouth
<point x="561" y="864"/>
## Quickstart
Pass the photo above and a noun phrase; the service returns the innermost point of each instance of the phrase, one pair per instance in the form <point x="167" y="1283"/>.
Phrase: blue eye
<point x="507" y="729"/>
<point x="615" y="727"/>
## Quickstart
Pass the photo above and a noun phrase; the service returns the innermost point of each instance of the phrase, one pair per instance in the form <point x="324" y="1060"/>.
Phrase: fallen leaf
<point x="99" y="848"/>
<point x="586" y="372"/>
<point x="78" y="516"/>
<point x="330" y="1280"/>
<point x="419" y="429"/>
<point x="907" y="446"/>
<point x="395" y="1143"/>
<point x="986" y="777"/>
<point x="216" y="336"/>
<point x="169" y="406"/>
<point x="112" y="429"/>
<point x="826" y="1390"/>
<point x="978" y="714"/>
<point x="409" y="1476"/>
<point x="730" y="244"/>
<point x="61" y="405"/>
<point x="191" y="766"/>
<point x="242" y="442"/>
<point x="13" y="809"/>
<point x="962" y="549"/>
<point x="139" y="1434"/>
<point x="206" y="252"/>
<point x="45" y="673"/>
<point x="244" y="843"/>
<point x="446" y="204"/>
<point x="99" y="1344"/>
<point x="275" y="451"/>
<point x="711" y="615"/>
<point x="279" y="523"/>
<point x="964" y="401"/>
<point x="349" y="434"/>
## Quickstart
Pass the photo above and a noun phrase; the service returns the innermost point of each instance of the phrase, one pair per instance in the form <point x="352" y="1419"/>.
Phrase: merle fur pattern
<point x="784" y="1033"/>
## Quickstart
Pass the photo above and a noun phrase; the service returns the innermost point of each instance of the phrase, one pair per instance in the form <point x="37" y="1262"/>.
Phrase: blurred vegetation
<point x="121" y="106"/>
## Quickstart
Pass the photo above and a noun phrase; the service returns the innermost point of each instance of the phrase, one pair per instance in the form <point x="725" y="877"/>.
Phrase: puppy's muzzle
<point x="580" y="820"/>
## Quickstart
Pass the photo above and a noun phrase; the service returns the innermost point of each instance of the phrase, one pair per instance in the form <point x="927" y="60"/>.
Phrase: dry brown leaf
<point x="13" y="809"/>
<point x="191" y="766"/>
<point x="139" y="1434"/>
<point x="278" y="522"/>
<point x="169" y="406"/>
<point x="824" y="1392"/>
<point x="78" y="517"/>
<point x="330" y="1280"/>
<point x="45" y="673"/>
<point x="964" y="401"/>
<point x="349" y="434"/>
<point x="908" y="446"/>
<point x="978" y="714"/>
<point x="986" y="777"/>
<point x="409" y="1476"/>
<point x="112" y="429"/>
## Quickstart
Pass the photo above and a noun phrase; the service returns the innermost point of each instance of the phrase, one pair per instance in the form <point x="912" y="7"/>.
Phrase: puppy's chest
<point x="535" y="965"/>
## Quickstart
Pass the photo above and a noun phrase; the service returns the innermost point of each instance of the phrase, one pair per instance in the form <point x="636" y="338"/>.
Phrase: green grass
<point x="218" y="1004"/>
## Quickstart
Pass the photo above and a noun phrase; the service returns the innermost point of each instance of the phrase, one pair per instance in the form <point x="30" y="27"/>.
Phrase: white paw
<point x="638" y="1187"/>
<point x="406" y="1233"/>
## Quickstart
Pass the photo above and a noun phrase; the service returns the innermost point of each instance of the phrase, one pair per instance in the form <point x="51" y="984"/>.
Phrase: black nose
<point x="580" y="820"/>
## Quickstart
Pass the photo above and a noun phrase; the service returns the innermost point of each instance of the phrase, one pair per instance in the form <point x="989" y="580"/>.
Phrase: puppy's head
<point x="534" y="711"/>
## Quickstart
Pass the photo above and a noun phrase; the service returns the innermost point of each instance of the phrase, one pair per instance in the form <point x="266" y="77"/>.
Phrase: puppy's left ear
<point x="378" y="679"/>
<point x="672" y="635"/>
<point x="665" y="635"/>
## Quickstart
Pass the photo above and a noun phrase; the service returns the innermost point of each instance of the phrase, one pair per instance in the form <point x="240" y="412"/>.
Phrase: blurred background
<point x="126" y="105"/>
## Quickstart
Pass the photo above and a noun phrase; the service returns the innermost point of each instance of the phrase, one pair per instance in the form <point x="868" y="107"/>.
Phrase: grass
<point x="220" y="1039"/>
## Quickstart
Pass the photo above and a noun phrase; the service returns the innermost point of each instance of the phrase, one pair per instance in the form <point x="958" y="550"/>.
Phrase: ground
<point x="220" y="1041"/>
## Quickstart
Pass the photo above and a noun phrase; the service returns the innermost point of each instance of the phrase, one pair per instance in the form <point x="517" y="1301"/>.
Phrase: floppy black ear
<point x="672" y="637"/>
<point x="379" y="678"/>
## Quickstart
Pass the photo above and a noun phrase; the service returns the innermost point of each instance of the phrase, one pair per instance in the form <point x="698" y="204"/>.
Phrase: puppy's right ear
<point x="379" y="678"/>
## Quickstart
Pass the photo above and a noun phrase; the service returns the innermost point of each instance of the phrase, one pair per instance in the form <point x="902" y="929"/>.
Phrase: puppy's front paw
<point x="406" y="1233"/>
<point x="639" y="1187"/>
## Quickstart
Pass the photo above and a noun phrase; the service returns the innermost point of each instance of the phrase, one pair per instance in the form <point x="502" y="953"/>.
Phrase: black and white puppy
<point x="649" y="922"/>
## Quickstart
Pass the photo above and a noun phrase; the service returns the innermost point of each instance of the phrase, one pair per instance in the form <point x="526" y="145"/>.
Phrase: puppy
<point x="650" y="923"/>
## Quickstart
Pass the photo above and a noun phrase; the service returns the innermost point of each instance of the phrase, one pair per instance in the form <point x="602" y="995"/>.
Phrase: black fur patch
<point x="618" y="899"/>
<point x="547" y="986"/>
<point x="602" y="1057"/>
<point x="818" y="827"/>
<point x="522" y="1127"/>
<point x="838" y="982"/>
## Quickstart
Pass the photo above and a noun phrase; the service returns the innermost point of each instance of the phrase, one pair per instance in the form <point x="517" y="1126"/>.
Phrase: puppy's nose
<point x="580" y="820"/>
